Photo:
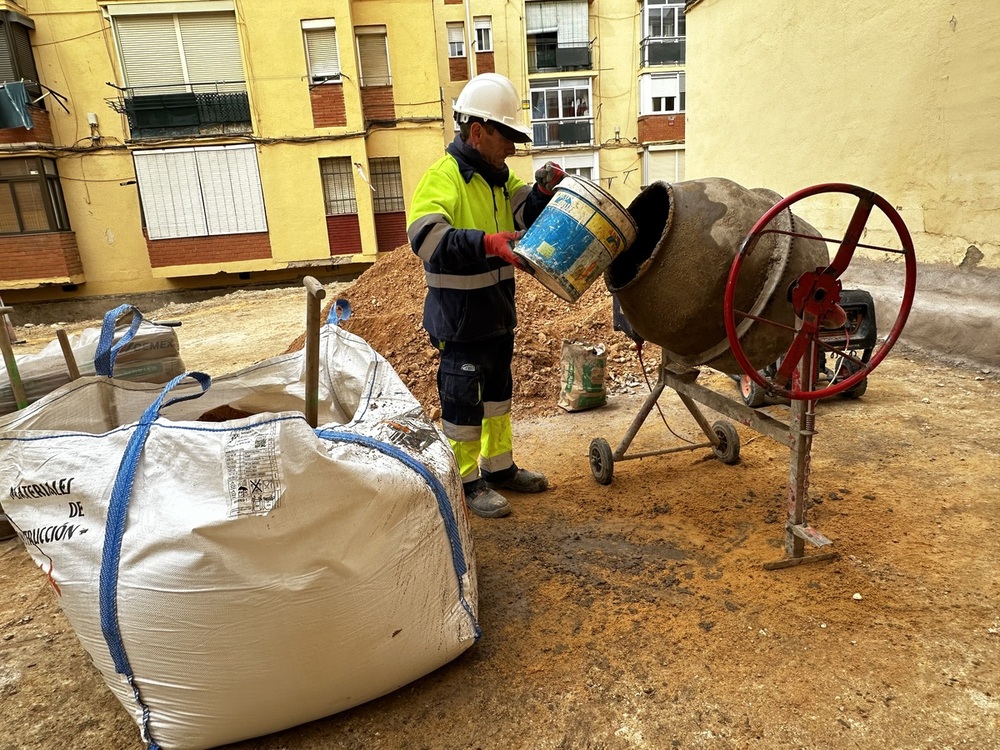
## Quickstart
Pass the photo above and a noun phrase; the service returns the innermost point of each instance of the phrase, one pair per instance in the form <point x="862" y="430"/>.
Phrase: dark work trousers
<point x="475" y="387"/>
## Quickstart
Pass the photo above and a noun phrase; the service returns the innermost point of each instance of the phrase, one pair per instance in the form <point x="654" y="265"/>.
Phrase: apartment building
<point x="174" y="144"/>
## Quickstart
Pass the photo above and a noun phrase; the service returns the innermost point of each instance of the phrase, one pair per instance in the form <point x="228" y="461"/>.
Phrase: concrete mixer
<point x="731" y="278"/>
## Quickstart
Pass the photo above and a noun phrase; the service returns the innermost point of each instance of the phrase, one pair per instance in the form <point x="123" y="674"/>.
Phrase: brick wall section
<point x="458" y="68"/>
<point x="40" y="133"/>
<point x="654" y="128"/>
<point x="328" y="106"/>
<point x="344" y="232"/>
<point x="377" y="103"/>
<point x="390" y="230"/>
<point x="222" y="248"/>
<point x="48" y="255"/>
<point x="485" y="63"/>
<point x="453" y="2"/>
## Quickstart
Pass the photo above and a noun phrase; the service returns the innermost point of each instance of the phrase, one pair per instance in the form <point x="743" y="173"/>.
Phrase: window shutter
<point x="171" y="193"/>
<point x="196" y="192"/>
<point x="322" y="53"/>
<point x="137" y="35"/>
<point x="212" y="50"/>
<point x="572" y="22"/>
<point x="230" y="185"/>
<point x="374" y="59"/>
<point x="22" y="51"/>
<point x="7" y="72"/>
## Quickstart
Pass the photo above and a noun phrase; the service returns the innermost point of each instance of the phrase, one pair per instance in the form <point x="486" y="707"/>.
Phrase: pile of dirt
<point x="387" y="307"/>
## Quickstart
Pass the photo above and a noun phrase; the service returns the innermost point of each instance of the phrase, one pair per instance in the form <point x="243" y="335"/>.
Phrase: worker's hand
<point x="548" y="176"/>
<point x="501" y="245"/>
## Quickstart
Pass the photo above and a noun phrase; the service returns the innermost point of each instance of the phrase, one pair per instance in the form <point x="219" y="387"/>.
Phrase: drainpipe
<point x="470" y="38"/>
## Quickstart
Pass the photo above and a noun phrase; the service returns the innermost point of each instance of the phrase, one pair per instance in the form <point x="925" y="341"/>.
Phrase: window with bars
<point x="456" y="39"/>
<point x="322" y="55"/>
<point x="373" y="55"/>
<point x="337" y="174"/>
<point x="31" y="198"/>
<point x="484" y="33"/>
<point x="387" y="179"/>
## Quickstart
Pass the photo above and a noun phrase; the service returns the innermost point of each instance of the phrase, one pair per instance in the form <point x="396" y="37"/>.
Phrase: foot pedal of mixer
<point x="809" y="534"/>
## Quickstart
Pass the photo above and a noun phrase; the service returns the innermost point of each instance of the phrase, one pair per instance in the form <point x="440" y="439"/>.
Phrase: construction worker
<point x="463" y="222"/>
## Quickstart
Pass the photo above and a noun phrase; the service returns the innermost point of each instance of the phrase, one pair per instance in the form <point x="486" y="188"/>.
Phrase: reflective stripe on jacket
<point x="470" y="296"/>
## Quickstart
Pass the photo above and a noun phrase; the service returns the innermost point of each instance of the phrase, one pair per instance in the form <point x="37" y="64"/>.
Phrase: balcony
<point x="173" y="110"/>
<point x="562" y="132"/>
<point x="547" y="55"/>
<point x="663" y="50"/>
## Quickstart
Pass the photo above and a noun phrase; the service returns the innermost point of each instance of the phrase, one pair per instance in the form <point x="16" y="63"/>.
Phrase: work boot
<point x="484" y="501"/>
<point x="517" y="480"/>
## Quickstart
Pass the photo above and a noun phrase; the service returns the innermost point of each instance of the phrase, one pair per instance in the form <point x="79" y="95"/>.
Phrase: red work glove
<point x="501" y="245"/>
<point x="548" y="176"/>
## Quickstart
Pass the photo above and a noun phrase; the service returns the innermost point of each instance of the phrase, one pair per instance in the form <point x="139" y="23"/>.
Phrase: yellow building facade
<point x="902" y="98"/>
<point x="175" y="144"/>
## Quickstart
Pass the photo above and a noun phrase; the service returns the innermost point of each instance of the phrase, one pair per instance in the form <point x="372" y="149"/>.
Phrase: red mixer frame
<point x="815" y="298"/>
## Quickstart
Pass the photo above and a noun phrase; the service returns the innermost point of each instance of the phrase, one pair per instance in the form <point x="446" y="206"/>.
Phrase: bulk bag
<point x="237" y="577"/>
<point x="150" y="353"/>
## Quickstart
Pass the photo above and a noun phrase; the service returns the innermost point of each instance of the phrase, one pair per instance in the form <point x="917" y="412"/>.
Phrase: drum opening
<point x="651" y="211"/>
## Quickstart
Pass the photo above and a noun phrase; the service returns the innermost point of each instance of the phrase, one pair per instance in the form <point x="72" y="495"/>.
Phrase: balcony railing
<point x="185" y="109"/>
<point x="552" y="56"/>
<point x="570" y="131"/>
<point x="668" y="50"/>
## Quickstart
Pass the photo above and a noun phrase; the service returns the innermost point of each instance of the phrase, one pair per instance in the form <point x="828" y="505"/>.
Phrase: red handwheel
<point x="815" y="295"/>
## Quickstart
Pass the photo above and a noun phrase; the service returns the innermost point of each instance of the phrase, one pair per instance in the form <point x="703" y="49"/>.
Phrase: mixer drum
<point x="671" y="282"/>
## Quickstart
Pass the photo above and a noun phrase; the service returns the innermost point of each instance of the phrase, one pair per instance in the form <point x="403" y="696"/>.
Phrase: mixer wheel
<point x="602" y="461"/>
<point x="728" y="449"/>
<point x="856" y="391"/>
<point x="815" y="297"/>
<point x="753" y="395"/>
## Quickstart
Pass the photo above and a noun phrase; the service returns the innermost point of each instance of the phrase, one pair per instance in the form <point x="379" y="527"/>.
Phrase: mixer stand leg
<point x="797" y="531"/>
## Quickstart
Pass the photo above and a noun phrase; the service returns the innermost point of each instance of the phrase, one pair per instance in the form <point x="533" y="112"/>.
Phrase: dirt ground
<point x="638" y="614"/>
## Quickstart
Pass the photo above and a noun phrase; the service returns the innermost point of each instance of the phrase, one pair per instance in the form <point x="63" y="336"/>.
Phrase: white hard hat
<point x="492" y="97"/>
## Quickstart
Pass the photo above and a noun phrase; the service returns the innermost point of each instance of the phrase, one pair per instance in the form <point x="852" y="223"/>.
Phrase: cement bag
<point x="231" y="579"/>
<point x="146" y="352"/>
<point x="582" y="368"/>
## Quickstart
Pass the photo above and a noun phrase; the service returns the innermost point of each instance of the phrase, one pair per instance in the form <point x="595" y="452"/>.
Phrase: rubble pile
<point x="387" y="306"/>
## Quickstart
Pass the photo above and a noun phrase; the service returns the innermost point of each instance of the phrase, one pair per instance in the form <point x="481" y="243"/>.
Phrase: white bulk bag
<point x="148" y="353"/>
<point x="231" y="579"/>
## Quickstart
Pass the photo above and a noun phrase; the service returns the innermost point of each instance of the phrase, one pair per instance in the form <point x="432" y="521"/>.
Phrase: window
<point x="560" y="112"/>
<point x="31" y="198"/>
<point x="387" y="179"/>
<point x="664" y="18"/>
<point x="322" y="56"/>
<point x="558" y="36"/>
<point x="662" y="94"/>
<point x="456" y="39"/>
<point x="373" y="55"/>
<point x="338" y="185"/>
<point x="16" y="60"/>
<point x="195" y="52"/>
<point x="484" y="33"/>
<point x="193" y="192"/>
<point x="664" y="32"/>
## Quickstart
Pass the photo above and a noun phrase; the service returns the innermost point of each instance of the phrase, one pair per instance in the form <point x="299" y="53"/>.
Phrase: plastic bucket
<point x="576" y="237"/>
